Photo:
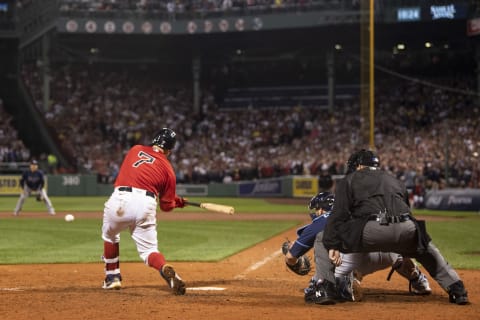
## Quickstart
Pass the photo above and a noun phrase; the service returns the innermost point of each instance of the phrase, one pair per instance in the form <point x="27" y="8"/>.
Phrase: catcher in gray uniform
<point x="360" y="264"/>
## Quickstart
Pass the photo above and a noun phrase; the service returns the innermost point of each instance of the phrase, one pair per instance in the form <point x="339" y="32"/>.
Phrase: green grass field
<point x="40" y="240"/>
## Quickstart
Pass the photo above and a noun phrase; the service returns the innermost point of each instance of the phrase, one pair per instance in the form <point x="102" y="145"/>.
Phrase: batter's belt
<point x="130" y="189"/>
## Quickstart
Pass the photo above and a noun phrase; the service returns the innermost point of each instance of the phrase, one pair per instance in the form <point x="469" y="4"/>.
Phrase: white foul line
<point x="258" y="264"/>
<point x="11" y="289"/>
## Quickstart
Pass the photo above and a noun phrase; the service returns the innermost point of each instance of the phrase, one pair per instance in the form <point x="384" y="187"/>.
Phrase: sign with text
<point x="263" y="188"/>
<point x="409" y="14"/>
<point x="453" y="199"/>
<point x="305" y="187"/>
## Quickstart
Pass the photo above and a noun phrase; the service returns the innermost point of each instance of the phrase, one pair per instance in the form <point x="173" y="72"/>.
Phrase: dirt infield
<point x="253" y="284"/>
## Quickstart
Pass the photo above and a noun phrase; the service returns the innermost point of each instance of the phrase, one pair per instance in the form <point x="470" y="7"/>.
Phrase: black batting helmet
<point x="362" y="157"/>
<point x="165" y="139"/>
<point x="323" y="200"/>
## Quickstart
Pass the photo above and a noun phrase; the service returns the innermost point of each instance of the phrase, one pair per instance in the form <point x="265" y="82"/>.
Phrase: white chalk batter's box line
<point x="258" y="264"/>
<point x="206" y="289"/>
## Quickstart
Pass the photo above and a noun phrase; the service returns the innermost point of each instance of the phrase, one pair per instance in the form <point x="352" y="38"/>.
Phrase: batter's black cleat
<point x="457" y="293"/>
<point x="112" y="282"/>
<point x="173" y="280"/>
<point x="323" y="293"/>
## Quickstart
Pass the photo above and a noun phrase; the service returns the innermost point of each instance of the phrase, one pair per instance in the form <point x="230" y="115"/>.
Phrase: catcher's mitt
<point x="302" y="267"/>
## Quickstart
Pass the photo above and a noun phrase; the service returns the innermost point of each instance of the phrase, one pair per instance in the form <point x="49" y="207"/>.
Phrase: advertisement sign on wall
<point x="447" y="11"/>
<point x="264" y="188"/>
<point x="453" y="199"/>
<point x="305" y="187"/>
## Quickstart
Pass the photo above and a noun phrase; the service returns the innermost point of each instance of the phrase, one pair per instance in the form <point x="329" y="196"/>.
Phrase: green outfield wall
<point x="88" y="185"/>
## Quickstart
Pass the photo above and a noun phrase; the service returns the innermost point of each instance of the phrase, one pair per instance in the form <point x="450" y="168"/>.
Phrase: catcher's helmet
<point x="165" y="139"/>
<point x="362" y="157"/>
<point x="323" y="200"/>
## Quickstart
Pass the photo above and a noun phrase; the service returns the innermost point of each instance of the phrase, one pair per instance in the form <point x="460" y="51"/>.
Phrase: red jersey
<point x="150" y="170"/>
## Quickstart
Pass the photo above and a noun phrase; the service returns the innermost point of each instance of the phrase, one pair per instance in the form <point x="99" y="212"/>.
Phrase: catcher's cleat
<point x="457" y="293"/>
<point x="348" y="288"/>
<point x="173" y="280"/>
<point x="420" y="285"/>
<point x="112" y="282"/>
<point x="310" y="291"/>
<point x="325" y="293"/>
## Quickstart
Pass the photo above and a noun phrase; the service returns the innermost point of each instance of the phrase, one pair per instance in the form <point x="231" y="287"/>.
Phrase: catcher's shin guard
<point x="418" y="282"/>
<point x="348" y="288"/>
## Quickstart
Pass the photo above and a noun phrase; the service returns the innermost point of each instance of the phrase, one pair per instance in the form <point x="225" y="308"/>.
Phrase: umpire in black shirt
<point x="372" y="213"/>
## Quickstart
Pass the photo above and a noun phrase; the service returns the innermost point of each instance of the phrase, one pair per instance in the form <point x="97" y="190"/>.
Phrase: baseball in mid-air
<point x="69" y="217"/>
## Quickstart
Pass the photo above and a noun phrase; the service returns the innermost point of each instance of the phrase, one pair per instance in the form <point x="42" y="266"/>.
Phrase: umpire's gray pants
<point x="402" y="238"/>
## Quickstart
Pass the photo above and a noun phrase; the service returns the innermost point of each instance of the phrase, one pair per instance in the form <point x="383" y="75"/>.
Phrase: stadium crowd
<point x="12" y="148"/>
<point x="419" y="129"/>
<point x="197" y="8"/>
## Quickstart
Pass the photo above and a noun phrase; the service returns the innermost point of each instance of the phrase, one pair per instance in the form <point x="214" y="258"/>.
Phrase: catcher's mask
<point x="362" y="157"/>
<point x="323" y="200"/>
<point x="165" y="139"/>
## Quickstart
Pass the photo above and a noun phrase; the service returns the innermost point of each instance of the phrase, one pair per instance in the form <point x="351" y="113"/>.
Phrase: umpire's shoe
<point x="321" y="292"/>
<point x="457" y="293"/>
<point x="173" y="280"/>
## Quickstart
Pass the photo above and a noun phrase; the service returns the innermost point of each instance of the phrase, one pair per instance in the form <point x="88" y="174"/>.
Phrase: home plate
<point x="206" y="288"/>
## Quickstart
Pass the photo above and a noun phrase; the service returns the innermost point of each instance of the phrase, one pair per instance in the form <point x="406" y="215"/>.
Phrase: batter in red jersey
<point x="146" y="176"/>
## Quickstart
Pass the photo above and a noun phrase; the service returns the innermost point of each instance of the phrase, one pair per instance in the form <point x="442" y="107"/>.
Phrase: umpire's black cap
<point x="362" y="157"/>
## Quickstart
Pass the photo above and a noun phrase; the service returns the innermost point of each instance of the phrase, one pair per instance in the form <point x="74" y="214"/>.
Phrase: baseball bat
<point x="215" y="207"/>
